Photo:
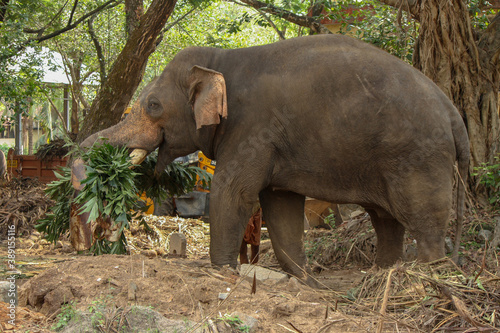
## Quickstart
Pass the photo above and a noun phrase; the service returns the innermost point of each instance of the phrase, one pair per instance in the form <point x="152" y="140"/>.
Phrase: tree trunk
<point x="465" y="64"/>
<point x="133" y="12"/>
<point x="98" y="48"/>
<point x="447" y="52"/>
<point x="30" y="134"/>
<point x="127" y="71"/>
<point x="76" y="90"/>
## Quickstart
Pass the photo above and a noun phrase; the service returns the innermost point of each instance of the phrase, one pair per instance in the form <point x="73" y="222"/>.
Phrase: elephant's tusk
<point x="138" y="155"/>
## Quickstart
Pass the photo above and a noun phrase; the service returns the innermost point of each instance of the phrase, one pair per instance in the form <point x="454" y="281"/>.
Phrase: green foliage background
<point x="489" y="177"/>
<point x="218" y="23"/>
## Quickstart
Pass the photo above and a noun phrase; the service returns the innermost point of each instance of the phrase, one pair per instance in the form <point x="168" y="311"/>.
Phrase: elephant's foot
<point x="227" y="259"/>
<point x="387" y="259"/>
<point x="226" y="270"/>
<point x="310" y="281"/>
<point x="430" y="239"/>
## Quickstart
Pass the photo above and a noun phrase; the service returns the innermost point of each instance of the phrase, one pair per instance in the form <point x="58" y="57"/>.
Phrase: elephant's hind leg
<point x="430" y="232"/>
<point x="283" y="213"/>
<point x="390" y="237"/>
<point x="429" y="229"/>
<point x="424" y="210"/>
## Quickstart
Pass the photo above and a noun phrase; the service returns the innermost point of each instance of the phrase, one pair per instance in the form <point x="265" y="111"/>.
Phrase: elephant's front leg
<point x="283" y="213"/>
<point x="231" y="203"/>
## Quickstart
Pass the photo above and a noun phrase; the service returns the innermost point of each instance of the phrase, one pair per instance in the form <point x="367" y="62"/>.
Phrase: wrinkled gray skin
<point x="328" y="117"/>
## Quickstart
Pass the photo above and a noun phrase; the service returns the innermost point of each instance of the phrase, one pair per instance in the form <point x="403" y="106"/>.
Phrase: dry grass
<point x="435" y="297"/>
<point x="159" y="228"/>
<point x="22" y="203"/>
<point x="352" y="243"/>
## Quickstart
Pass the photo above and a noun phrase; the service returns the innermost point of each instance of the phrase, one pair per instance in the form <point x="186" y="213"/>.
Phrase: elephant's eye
<point x="154" y="107"/>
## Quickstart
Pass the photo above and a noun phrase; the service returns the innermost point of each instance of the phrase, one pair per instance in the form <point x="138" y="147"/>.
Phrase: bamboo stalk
<point x="384" y="301"/>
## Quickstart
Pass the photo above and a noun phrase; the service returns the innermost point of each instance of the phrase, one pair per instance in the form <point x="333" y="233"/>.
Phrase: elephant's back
<point x="355" y="100"/>
<point x="336" y="81"/>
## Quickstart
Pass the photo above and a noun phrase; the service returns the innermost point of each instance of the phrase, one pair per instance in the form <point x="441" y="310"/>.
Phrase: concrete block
<point x="177" y="244"/>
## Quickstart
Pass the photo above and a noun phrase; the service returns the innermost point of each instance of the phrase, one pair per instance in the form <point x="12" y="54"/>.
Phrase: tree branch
<point x="173" y="24"/>
<point x="271" y="23"/>
<point x="3" y="9"/>
<point x="100" y="55"/>
<point x="107" y="5"/>
<point x="72" y="12"/>
<point x="40" y="31"/>
<point x="304" y="21"/>
<point x="410" y="6"/>
<point x="72" y="78"/>
<point x="40" y="38"/>
<point x="59" y="115"/>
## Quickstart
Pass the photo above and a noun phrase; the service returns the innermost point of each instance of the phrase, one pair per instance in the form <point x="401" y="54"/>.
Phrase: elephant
<point x="326" y="116"/>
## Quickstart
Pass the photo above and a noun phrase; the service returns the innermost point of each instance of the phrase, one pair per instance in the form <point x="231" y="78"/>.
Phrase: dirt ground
<point x="57" y="287"/>
<point x="177" y="288"/>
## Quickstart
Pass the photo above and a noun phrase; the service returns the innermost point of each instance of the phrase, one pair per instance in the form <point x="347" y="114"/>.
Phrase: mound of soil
<point x="181" y="289"/>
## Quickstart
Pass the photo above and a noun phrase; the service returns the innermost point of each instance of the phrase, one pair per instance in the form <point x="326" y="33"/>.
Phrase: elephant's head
<point x="177" y="112"/>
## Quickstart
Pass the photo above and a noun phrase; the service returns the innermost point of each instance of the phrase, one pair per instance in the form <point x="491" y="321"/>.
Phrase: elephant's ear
<point x="207" y="92"/>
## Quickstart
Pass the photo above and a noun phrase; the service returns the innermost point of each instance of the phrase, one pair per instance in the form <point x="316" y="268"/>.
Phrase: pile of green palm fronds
<point x="435" y="297"/>
<point x="111" y="192"/>
<point x="56" y="220"/>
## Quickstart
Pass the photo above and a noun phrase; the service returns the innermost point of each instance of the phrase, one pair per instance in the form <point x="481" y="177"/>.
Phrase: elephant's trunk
<point x="116" y="136"/>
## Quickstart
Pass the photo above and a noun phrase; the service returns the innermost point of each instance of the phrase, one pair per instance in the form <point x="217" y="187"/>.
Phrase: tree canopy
<point x="107" y="42"/>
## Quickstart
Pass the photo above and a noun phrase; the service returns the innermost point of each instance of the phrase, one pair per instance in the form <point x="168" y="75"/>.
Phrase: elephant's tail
<point x="463" y="156"/>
